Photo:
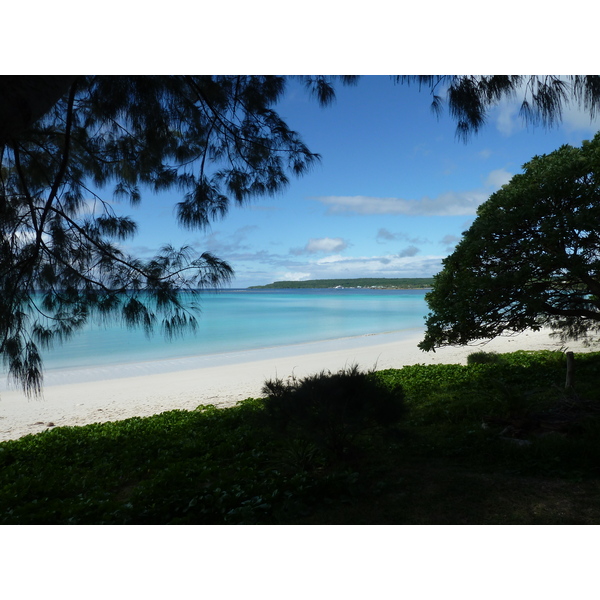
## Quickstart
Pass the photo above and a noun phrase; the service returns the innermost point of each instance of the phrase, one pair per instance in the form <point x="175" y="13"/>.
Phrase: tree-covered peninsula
<point x="406" y="283"/>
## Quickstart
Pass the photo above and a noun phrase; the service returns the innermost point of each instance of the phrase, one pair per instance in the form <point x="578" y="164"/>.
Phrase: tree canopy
<point x="542" y="98"/>
<point x="530" y="259"/>
<point x="72" y="146"/>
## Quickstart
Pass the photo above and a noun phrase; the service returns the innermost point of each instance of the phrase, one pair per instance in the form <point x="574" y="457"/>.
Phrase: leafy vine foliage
<point x="530" y="259"/>
<point x="216" y="140"/>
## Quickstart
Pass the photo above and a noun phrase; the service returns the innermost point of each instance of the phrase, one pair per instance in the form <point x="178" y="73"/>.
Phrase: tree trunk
<point x="570" y="382"/>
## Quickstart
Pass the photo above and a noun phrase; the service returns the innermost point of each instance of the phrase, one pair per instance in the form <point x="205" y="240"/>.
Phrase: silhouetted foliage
<point x="542" y="97"/>
<point x="484" y="358"/>
<point x="332" y="408"/>
<point x="530" y="259"/>
<point x="69" y="156"/>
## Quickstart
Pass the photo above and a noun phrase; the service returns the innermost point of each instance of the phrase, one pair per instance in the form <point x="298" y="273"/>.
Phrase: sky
<point x="395" y="188"/>
<point x="391" y="196"/>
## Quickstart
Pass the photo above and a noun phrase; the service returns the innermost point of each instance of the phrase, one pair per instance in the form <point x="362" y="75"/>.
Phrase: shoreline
<point x="88" y="374"/>
<point x="93" y="395"/>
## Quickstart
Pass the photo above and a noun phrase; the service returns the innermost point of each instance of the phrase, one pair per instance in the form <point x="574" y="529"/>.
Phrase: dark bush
<point x="484" y="358"/>
<point x="332" y="408"/>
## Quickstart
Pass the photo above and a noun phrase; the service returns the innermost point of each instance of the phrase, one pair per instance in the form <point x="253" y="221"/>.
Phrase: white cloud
<point x="277" y="268"/>
<point x="326" y="245"/>
<point x="334" y="258"/>
<point x="446" y="204"/>
<point x="294" y="276"/>
<point x="337" y="266"/>
<point x="318" y="245"/>
<point x="498" y="178"/>
<point x="507" y="117"/>
<point x="391" y="262"/>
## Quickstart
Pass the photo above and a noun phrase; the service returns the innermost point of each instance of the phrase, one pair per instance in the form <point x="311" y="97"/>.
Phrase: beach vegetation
<point x="499" y="442"/>
<point x="529" y="260"/>
<point x="483" y="357"/>
<point x="332" y="409"/>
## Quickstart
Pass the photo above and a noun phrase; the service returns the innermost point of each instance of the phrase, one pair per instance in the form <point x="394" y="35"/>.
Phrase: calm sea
<point x="235" y="320"/>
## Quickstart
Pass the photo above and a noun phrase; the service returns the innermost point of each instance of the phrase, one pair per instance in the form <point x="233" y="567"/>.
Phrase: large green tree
<point x="71" y="146"/>
<point x="530" y="259"/>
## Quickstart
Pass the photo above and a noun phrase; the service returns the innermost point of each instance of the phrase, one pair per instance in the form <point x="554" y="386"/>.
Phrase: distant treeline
<point x="407" y="283"/>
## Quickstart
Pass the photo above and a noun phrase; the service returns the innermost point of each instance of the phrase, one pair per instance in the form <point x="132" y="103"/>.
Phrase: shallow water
<point x="241" y="320"/>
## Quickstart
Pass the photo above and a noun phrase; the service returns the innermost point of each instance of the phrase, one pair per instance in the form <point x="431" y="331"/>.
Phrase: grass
<point x="497" y="441"/>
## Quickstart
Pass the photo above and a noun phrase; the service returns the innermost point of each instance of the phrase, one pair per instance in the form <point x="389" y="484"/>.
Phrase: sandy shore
<point x="85" y="396"/>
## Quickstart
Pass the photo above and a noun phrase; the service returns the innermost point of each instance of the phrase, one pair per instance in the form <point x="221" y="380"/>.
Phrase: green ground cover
<point x="499" y="440"/>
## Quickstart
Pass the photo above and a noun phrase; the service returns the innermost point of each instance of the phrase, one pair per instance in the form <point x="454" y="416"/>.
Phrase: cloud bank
<point x="397" y="265"/>
<point x="325" y="245"/>
<point x="449" y="204"/>
<point x="384" y="235"/>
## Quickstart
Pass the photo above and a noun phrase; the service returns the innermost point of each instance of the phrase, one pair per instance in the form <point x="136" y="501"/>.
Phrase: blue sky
<point x="390" y="198"/>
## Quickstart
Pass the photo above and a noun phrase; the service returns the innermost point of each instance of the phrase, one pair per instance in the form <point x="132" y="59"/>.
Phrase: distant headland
<point x="379" y="283"/>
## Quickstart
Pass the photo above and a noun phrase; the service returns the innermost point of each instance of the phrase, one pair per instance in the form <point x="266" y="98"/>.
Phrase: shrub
<point x="484" y="358"/>
<point x="332" y="409"/>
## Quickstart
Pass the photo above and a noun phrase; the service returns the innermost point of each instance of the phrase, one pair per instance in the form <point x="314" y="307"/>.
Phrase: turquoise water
<point x="237" y="320"/>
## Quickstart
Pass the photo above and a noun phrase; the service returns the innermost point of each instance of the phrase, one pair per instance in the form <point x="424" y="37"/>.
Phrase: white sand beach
<point x="84" y="396"/>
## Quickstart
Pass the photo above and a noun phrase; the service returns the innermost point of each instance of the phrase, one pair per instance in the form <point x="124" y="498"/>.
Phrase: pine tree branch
<point x="58" y="180"/>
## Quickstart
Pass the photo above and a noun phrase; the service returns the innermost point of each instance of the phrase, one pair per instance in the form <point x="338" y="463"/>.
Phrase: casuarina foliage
<point x="71" y="147"/>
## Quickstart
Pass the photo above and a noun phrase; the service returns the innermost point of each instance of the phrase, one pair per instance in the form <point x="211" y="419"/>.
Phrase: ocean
<point x="241" y="320"/>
